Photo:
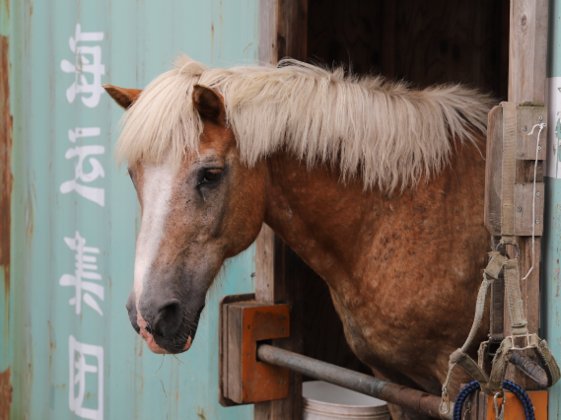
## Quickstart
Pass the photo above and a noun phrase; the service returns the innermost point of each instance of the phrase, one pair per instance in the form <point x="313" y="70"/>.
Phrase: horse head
<point x="196" y="213"/>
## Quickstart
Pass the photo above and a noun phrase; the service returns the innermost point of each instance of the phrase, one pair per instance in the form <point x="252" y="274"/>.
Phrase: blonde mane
<point x="384" y="132"/>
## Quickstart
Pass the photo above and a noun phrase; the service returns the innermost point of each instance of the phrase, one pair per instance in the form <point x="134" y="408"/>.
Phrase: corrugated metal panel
<point x="75" y="214"/>
<point x="551" y="322"/>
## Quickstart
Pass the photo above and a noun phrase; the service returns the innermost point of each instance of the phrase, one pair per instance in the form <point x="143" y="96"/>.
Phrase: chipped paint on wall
<point x="5" y="162"/>
<point x="6" y="180"/>
<point x="5" y="394"/>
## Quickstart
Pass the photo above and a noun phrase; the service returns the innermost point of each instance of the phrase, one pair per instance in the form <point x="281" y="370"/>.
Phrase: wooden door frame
<point x="283" y="33"/>
<point x="526" y="85"/>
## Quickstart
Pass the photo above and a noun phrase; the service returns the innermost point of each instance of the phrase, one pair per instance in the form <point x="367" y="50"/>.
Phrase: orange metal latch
<point x="513" y="407"/>
<point x="243" y="324"/>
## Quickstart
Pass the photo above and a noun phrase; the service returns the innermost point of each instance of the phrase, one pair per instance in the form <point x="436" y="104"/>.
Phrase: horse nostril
<point x="168" y="320"/>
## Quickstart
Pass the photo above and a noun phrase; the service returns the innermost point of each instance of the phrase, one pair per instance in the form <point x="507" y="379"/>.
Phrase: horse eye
<point x="212" y="175"/>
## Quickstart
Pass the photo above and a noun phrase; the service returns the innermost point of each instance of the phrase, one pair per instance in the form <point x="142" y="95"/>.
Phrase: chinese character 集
<point x="87" y="60"/>
<point x="84" y="289"/>
<point x="78" y="370"/>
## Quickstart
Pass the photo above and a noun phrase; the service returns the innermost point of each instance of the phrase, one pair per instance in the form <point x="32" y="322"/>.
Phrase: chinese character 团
<point x="83" y="64"/>
<point x="95" y="194"/>
<point x="78" y="369"/>
<point x="83" y="288"/>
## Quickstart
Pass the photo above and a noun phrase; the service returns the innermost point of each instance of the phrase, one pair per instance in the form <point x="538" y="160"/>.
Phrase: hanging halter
<point x="501" y="266"/>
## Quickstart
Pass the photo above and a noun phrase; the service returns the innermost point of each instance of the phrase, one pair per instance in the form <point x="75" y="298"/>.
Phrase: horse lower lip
<point x="151" y="343"/>
<point x="156" y="348"/>
<point x="188" y="344"/>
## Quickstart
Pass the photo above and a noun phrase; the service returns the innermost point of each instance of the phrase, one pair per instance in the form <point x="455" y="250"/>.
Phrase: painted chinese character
<point x="80" y="132"/>
<point x="79" y="367"/>
<point x="97" y="195"/>
<point x="85" y="269"/>
<point x="87" y="60"/>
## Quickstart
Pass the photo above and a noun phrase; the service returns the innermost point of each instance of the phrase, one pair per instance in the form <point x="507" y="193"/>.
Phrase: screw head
<point x="538" y="194"/>
<point x="537" y="222"/>
<point x="539" y="148"/>
<point x="540" y="118"/>
<point x="524" y="128"/>
<point x="519" y="209"/>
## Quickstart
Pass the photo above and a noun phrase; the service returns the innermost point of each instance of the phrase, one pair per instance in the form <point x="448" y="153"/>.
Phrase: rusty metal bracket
<point x="243" y="324"/>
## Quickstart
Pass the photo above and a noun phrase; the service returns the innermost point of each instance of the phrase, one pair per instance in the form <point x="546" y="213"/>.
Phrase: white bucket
<point x="323" y="401"/>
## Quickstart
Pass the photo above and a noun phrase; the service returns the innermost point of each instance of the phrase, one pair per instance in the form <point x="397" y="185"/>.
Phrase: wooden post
<point x="527" y="51"/>
<point x="282" y="33"/>
<point x="526" y="85"/>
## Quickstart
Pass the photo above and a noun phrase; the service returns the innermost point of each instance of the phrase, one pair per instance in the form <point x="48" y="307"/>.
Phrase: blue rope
<point x="511" y="386"/>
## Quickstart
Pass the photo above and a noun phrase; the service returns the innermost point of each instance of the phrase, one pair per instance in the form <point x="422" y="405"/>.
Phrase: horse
<point x="378" y="186"/>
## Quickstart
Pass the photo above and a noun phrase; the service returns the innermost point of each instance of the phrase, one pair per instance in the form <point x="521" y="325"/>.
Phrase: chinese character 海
<point x="83" y="288"/>
<point x="83" y="64"/>
<point x="95" y="194"/>
<point x="78" y="370"/>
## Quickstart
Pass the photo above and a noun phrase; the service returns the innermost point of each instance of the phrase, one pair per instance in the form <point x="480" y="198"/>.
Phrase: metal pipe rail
<point x="403" y="396"/>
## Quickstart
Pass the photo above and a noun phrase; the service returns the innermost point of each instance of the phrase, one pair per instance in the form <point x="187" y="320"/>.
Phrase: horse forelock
<point x="385" y="132"/>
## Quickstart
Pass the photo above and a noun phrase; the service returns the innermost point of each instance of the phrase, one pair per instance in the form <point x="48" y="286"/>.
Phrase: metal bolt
<point x="539" y="148"/>
<point x="524" y="128"/>
<point x="540" y="118"/>
<point x="538" y="194"/>
<point x="537" y="222"/>
<point x="519" y="209"/>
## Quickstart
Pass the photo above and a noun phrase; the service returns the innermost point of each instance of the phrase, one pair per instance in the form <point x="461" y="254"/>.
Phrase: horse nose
<point x="168" y="319"/>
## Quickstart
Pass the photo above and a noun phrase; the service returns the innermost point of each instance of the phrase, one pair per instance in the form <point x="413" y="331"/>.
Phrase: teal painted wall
<point x="66" y="187"/>
<point x="551" y="245"/>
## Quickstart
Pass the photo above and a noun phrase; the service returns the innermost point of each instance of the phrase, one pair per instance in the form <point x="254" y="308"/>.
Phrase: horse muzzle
<point x="162" y="324"/>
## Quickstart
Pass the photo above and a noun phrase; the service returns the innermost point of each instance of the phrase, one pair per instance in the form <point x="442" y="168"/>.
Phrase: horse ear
<point x="124" y="97"/>
<point x="208" y="102"/>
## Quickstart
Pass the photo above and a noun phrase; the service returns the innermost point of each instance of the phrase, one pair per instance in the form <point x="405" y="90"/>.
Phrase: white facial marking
<point x="156" y="193"/>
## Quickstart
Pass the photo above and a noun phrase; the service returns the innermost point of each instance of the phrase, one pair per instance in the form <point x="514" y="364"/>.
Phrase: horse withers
<point x="378" y="187"/>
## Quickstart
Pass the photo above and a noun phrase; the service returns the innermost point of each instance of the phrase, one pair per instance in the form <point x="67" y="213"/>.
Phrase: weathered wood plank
<point x="527" y="52"/>
<point x="286" y="288"/>
<point x="224" y="353"/>
<point x="283" y="32"/>
<point x="493" y="165"/>
<point x="524" y="198"/>
<point x="265" y="265"/>
<point x="267" y="31"/>
<point x="526" y="85"/>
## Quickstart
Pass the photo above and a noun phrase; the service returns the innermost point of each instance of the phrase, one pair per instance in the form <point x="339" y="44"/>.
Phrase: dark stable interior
<point x="423" y="42"/>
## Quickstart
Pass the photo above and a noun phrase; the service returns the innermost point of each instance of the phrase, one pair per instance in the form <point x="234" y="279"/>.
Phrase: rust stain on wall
<point x="5" y="166"/>
<point x="5" y="394"/>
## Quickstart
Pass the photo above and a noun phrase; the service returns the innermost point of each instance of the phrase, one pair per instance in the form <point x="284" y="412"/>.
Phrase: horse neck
<point x="315" y="213"/>
<point x="339" y="229"/>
